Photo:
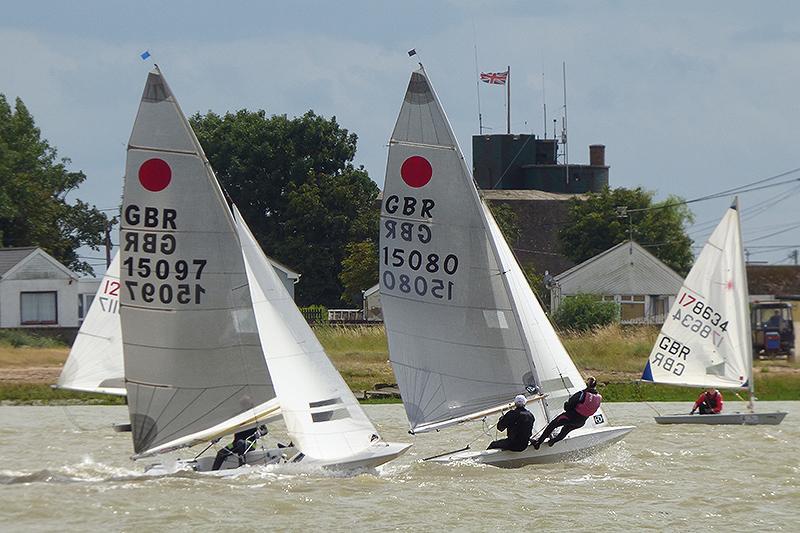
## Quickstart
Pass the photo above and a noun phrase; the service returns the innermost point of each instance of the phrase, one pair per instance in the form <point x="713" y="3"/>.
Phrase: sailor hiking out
<point x="518" y="423"/>
<point x="577" y="411"/>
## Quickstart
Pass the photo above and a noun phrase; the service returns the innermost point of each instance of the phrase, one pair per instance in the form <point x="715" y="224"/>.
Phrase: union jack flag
<point x="494" y="78"/>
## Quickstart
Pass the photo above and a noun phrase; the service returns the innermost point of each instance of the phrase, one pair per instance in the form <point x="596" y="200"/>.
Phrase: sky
<point x="690" y="98"/>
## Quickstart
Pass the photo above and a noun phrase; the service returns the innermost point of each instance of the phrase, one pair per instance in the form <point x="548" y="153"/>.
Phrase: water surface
<point x="65" y="470"/>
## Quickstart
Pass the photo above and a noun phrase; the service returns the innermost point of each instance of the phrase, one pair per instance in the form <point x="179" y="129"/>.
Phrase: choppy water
<point x="63" y="469"/>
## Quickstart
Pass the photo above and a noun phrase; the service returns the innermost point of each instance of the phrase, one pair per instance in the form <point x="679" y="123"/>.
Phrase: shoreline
<point x="769" y="387"/>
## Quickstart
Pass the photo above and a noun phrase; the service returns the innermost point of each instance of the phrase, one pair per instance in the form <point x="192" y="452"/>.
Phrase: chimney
<point x="597" y="155"/>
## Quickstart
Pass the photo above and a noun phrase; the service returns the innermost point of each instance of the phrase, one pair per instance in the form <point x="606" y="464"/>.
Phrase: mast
<point x="508" y="101"/>
<point x="751" y="378"/>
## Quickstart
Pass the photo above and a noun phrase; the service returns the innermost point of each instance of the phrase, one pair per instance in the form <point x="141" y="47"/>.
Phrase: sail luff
<point x="751" y="381"/>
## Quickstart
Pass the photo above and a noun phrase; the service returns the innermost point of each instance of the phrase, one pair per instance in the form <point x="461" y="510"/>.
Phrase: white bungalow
<point x="642" y="285"/>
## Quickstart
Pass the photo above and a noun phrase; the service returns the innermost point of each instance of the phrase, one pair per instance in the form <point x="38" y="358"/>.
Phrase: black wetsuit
<point x="240" y="444"/>
<point x="519" y="425"/>
<point x="569" y="420"/>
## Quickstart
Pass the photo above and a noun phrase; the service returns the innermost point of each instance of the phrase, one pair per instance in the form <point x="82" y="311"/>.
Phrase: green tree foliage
<point x="294" y="181"/>
<point x="34" y="184"/>
<point x="359" y="270"/>
<point x="506" y="220"/>
<point x="595" y="225"/>
<point x="583" y="312"/>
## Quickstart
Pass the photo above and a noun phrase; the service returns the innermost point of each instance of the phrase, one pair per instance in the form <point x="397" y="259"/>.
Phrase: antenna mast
<point x="564" y="123"/>
<point x="544" y="105"/>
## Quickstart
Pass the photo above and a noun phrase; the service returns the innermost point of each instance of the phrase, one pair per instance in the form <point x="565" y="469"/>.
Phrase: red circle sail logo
<point x="155" y="175"/>
<point x="416" y="171"/>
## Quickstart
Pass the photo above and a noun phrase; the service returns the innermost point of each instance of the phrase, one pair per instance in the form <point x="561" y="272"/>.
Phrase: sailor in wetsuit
<point x="577" y="411"/>
<point x="518" y="423"/>
<point x="243" y="441"/>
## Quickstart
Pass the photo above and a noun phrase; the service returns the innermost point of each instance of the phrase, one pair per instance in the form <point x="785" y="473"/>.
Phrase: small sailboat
<point x="706" y="339"/>
<point x="204" y="316"/>
<point x="466" y="332"/>
<point x="94" y="363"/>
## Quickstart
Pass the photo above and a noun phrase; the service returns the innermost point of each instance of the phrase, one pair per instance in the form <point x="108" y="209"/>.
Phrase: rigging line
<point x="651" y="407"/>
<point x="512" y="161"/>
<point x="748" y="187"/>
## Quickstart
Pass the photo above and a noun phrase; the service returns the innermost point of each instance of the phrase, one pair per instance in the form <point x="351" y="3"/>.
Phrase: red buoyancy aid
<point x="589" y="405"/>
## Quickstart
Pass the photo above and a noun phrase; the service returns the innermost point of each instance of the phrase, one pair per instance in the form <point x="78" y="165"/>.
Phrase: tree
<point x="597" y="223"/>
<point x="584" y="312"/>
<point x="506" y="220"/>
<point x="295" y="183"/>
<point x="359" y="270"/>
<point x="34" y="184"/>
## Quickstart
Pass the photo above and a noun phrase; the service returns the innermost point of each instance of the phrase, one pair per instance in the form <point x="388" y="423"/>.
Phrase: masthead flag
<point x="494" y="78"/>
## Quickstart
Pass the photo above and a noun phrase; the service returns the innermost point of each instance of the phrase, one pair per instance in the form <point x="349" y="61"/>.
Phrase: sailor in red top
<point x="709" y="403"/>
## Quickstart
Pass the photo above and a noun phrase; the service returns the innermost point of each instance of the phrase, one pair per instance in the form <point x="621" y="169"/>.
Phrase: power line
<point x="748" y="187"/>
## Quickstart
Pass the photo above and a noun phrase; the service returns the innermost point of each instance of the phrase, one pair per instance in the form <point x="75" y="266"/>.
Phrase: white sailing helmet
<point x="520" y="400"/>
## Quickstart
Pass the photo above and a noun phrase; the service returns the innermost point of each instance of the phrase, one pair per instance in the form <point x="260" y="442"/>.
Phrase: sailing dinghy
<point x="706" y="340"/>
<point x="466" y="332"/>
<point x="95" y="363"/>
<point x="197" y="326"/>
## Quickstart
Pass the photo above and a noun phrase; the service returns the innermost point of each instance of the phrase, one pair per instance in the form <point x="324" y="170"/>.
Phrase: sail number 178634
<point x="693" y="314"/>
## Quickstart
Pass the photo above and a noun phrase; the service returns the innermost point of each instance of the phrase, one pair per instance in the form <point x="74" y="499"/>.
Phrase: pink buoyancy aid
<point x="589" y="405"/>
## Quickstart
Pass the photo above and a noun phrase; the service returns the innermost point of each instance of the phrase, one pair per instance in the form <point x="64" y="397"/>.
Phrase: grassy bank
<point x="615" y="355"/>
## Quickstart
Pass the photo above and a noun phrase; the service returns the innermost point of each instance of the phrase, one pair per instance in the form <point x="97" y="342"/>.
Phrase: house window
<point x="84" y="303"/>
<point x="38" y="308"/>
<point x="631" y="307"/>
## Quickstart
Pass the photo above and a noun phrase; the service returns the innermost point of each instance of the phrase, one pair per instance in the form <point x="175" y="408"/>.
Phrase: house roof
<point x="781" y="280"/>
<point x="372" y="290"/>
<point x="626" y="268"/>
<point x="291" y="274"/>
<point x="11" y="257"/>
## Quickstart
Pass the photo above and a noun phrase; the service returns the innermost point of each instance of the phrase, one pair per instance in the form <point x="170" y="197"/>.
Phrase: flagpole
<point x="477" y="81"/>
<point x="508" y="101"/>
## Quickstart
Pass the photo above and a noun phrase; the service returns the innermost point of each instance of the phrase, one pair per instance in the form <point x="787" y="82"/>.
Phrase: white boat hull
<point x="371" y="457"/>
<point x="577" y="445"/>
<point x="740" y="419"/>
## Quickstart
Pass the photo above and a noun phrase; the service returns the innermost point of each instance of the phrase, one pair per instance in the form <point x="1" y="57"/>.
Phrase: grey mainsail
<point x="454" y="341"/>
<point x="192" y="353"/>
<point x="466" y="332"/>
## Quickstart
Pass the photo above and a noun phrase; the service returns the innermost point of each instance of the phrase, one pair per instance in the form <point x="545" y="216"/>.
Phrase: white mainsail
<point x="466" y="333"/>
<point x="193" y="363"/>
<point x="323" y="418"/>
<point x="95" y="359"/>
<point x="705" y="341"/>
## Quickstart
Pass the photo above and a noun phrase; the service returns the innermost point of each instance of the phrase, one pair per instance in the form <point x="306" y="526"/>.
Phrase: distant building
<point x="36" y="291"/>
<point x="642" y="285"/>
<point x="523" y="162"/>
<point x="373" y="312"/>
<point x="524" y="172"/>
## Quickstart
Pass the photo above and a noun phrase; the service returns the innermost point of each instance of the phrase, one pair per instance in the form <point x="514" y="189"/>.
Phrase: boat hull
<point x="734" y="419"/>
<point x="576" y="446"/>
<point x="371" y="457"/>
